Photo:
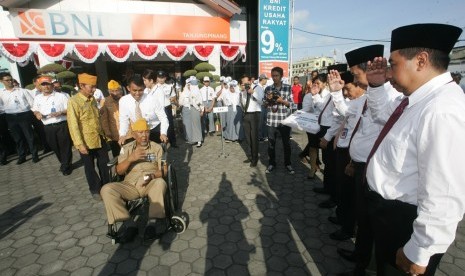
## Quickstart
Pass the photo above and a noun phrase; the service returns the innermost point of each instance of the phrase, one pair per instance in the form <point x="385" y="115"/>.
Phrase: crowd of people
<point x="390" y="138"/>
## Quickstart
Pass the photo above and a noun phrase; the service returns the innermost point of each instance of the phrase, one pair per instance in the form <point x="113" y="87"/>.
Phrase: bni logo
<point x="32" y="23"/>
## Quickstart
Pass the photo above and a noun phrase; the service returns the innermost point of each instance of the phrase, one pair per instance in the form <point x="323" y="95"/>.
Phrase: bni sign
<point x="273" y="30"/>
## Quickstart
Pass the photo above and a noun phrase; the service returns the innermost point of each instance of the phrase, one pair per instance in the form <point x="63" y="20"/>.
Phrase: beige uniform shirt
<point x="137" y="170"/>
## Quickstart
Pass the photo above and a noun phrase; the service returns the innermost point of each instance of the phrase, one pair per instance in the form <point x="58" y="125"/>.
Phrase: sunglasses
<point x="45" y="83"/>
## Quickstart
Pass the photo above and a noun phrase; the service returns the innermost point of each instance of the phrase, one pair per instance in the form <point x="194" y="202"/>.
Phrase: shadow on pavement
<point x="226" y="240"/>
<point x="16" y="216"/>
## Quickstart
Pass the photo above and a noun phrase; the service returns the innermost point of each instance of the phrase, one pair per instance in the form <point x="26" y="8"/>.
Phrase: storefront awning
<point x="22" y="51"/>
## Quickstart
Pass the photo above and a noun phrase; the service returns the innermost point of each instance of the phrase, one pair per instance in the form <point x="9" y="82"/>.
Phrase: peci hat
<point x="87" y="79"/>
<point x="440" y="37"/>
<point x="341" y="67"/>
<point x="364" y="54"/>
<point x="347" y="77"/>
<point x="44" y="78"/>
<point x="206" y="78"/>
<point x="262" y="76"/>
<point x="113" y="85"/>
<point x="140" y="125"/>
<point x="161" y="74"/>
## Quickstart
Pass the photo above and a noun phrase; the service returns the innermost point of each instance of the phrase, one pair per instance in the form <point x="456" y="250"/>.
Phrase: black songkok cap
<point x="364" y="54"/>
<point x="161" y="73"/>
<point x="342" y="67"/>
<point x="347" y="77"/>
<point x="432" y="36"/>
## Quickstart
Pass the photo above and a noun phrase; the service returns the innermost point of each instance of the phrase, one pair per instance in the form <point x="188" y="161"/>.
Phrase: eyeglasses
<point x="45" y="84"/>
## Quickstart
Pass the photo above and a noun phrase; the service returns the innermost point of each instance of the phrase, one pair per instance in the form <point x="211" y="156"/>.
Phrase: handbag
<point x="305" y="121"/>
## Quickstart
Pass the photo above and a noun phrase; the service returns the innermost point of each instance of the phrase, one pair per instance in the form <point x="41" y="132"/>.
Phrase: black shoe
<point x="66" y="172"/>
<point x="340" y="235"/>
<point x="154" y="231"/>
<point x="3" y="163"/>
<point x="35" y="159"/>
<point x="211" y="133"/>
<point x="334" y="220"/>
<point x="129" y="235"/>
<point x="246" y="161"/>
<point x="253" y="164"/>
<point x="20" y="161"/>
<point x="321" y="191"/>
<point x="347" y="255"/>
<point x="327" y="204"/>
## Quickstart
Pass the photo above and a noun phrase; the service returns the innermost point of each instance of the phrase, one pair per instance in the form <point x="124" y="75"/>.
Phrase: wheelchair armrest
<point x="112" y="162"/>
<point x="165" y="153"/>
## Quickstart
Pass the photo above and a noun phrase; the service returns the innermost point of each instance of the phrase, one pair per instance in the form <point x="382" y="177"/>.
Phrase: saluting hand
<point x="335" y="81"/>
<point x="376" y="71"/>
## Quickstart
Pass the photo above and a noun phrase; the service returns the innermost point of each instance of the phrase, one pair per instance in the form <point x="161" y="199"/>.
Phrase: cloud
<point x="301" y="15"/>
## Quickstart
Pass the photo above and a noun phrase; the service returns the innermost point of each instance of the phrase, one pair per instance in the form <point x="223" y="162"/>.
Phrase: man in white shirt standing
<point x="50" y="107"/>
<point x="137" y="105"/>
<point x="17" y="103"/>
<point x="251" y="100"/>
<point x="208" y="95"/>
<point x="414" y="174"/>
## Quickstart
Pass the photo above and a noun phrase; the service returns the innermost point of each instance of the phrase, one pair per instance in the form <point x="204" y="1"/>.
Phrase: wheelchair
<point x="175" y="219"/>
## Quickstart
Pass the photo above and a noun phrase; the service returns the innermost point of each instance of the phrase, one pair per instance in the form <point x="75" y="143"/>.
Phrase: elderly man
<point x="140" y="162"/>
<point x="109" y="116"/>
<point x="50" y="108"/>
<point x="415" y="179"/>
<point x="87" y="134"/>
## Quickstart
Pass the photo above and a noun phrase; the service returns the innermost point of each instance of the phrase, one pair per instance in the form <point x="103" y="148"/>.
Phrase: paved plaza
<point x="242" y="221"/>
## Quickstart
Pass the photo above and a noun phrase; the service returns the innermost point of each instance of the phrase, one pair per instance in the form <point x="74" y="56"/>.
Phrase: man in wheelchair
<point x="140" y="164"/>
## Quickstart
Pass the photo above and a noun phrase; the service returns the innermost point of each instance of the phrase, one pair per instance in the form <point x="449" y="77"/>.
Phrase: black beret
<point x="364" y="54"/>
<point x="342" y="67"/>
<point x="432" y="36"/>
<point x="161" y="73"/>
<point x="347" y="77"/>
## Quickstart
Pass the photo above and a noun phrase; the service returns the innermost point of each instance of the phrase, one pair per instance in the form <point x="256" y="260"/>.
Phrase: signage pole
<point x="219" y="110"/>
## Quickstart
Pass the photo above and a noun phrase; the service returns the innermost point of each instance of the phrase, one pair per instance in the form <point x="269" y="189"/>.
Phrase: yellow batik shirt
<point x="84" y="121"/>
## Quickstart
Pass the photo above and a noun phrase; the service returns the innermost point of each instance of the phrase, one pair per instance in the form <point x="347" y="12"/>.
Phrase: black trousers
<point x="155" y="134"/>
<point x="3" y="138"/>
<point x="57" y="136"/>
<point x="96" y="180"/>
<point x="251" y="123"/>
<point x="345" y="187"/>
<point x="329" y="159"/>
<point x="20" y="125"/>
<point x="171" y="133"/>
<point x="285" y="132"/>
<point x="392" y="225"/>
<point x="115" y="148"/>
<point x="364" y="238"/>
<point x="39" y="129"/>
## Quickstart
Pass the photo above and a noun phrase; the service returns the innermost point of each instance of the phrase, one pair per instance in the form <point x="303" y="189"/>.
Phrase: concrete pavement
<point x="242" y="221"/>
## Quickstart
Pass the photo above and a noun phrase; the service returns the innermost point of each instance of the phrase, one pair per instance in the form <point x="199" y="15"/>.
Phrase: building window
<point x="324" y="63"/>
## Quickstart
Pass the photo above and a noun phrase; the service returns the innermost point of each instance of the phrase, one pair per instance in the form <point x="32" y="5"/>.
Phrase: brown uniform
<point x="116" y="194"/>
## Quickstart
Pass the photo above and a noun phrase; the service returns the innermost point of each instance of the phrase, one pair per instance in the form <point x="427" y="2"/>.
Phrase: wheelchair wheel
<point x="178" y="224"/>
<point x="173" y="186"/>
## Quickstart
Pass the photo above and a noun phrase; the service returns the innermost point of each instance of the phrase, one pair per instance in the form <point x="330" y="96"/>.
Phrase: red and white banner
<point x="22" y="51"/>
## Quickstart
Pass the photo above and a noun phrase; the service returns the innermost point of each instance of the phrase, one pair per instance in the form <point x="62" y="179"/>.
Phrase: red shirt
<point x="297" y="93"/>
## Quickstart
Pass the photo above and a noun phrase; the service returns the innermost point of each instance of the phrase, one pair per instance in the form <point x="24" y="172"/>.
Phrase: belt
<point x="359" y="163"/>
<point x="18" y="114"/>
<point x="56" y="124"/>
<point x="253" y="112"/>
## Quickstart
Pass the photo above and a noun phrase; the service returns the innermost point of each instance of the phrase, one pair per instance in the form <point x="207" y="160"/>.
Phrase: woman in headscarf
<point x="233" y="131"/>
<point x="192" y="110"/>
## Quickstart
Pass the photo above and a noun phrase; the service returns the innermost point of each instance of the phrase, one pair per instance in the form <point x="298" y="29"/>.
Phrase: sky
<point x="364" y="19"/>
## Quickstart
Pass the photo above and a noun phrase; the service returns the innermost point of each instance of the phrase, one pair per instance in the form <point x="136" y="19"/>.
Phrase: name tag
<point x="221" y="109"/>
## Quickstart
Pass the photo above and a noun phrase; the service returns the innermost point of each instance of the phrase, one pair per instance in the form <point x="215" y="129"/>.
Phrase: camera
<point x="272" y="97"/>
<point x="247" y="86"/>
<point x="150" y="157"/>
